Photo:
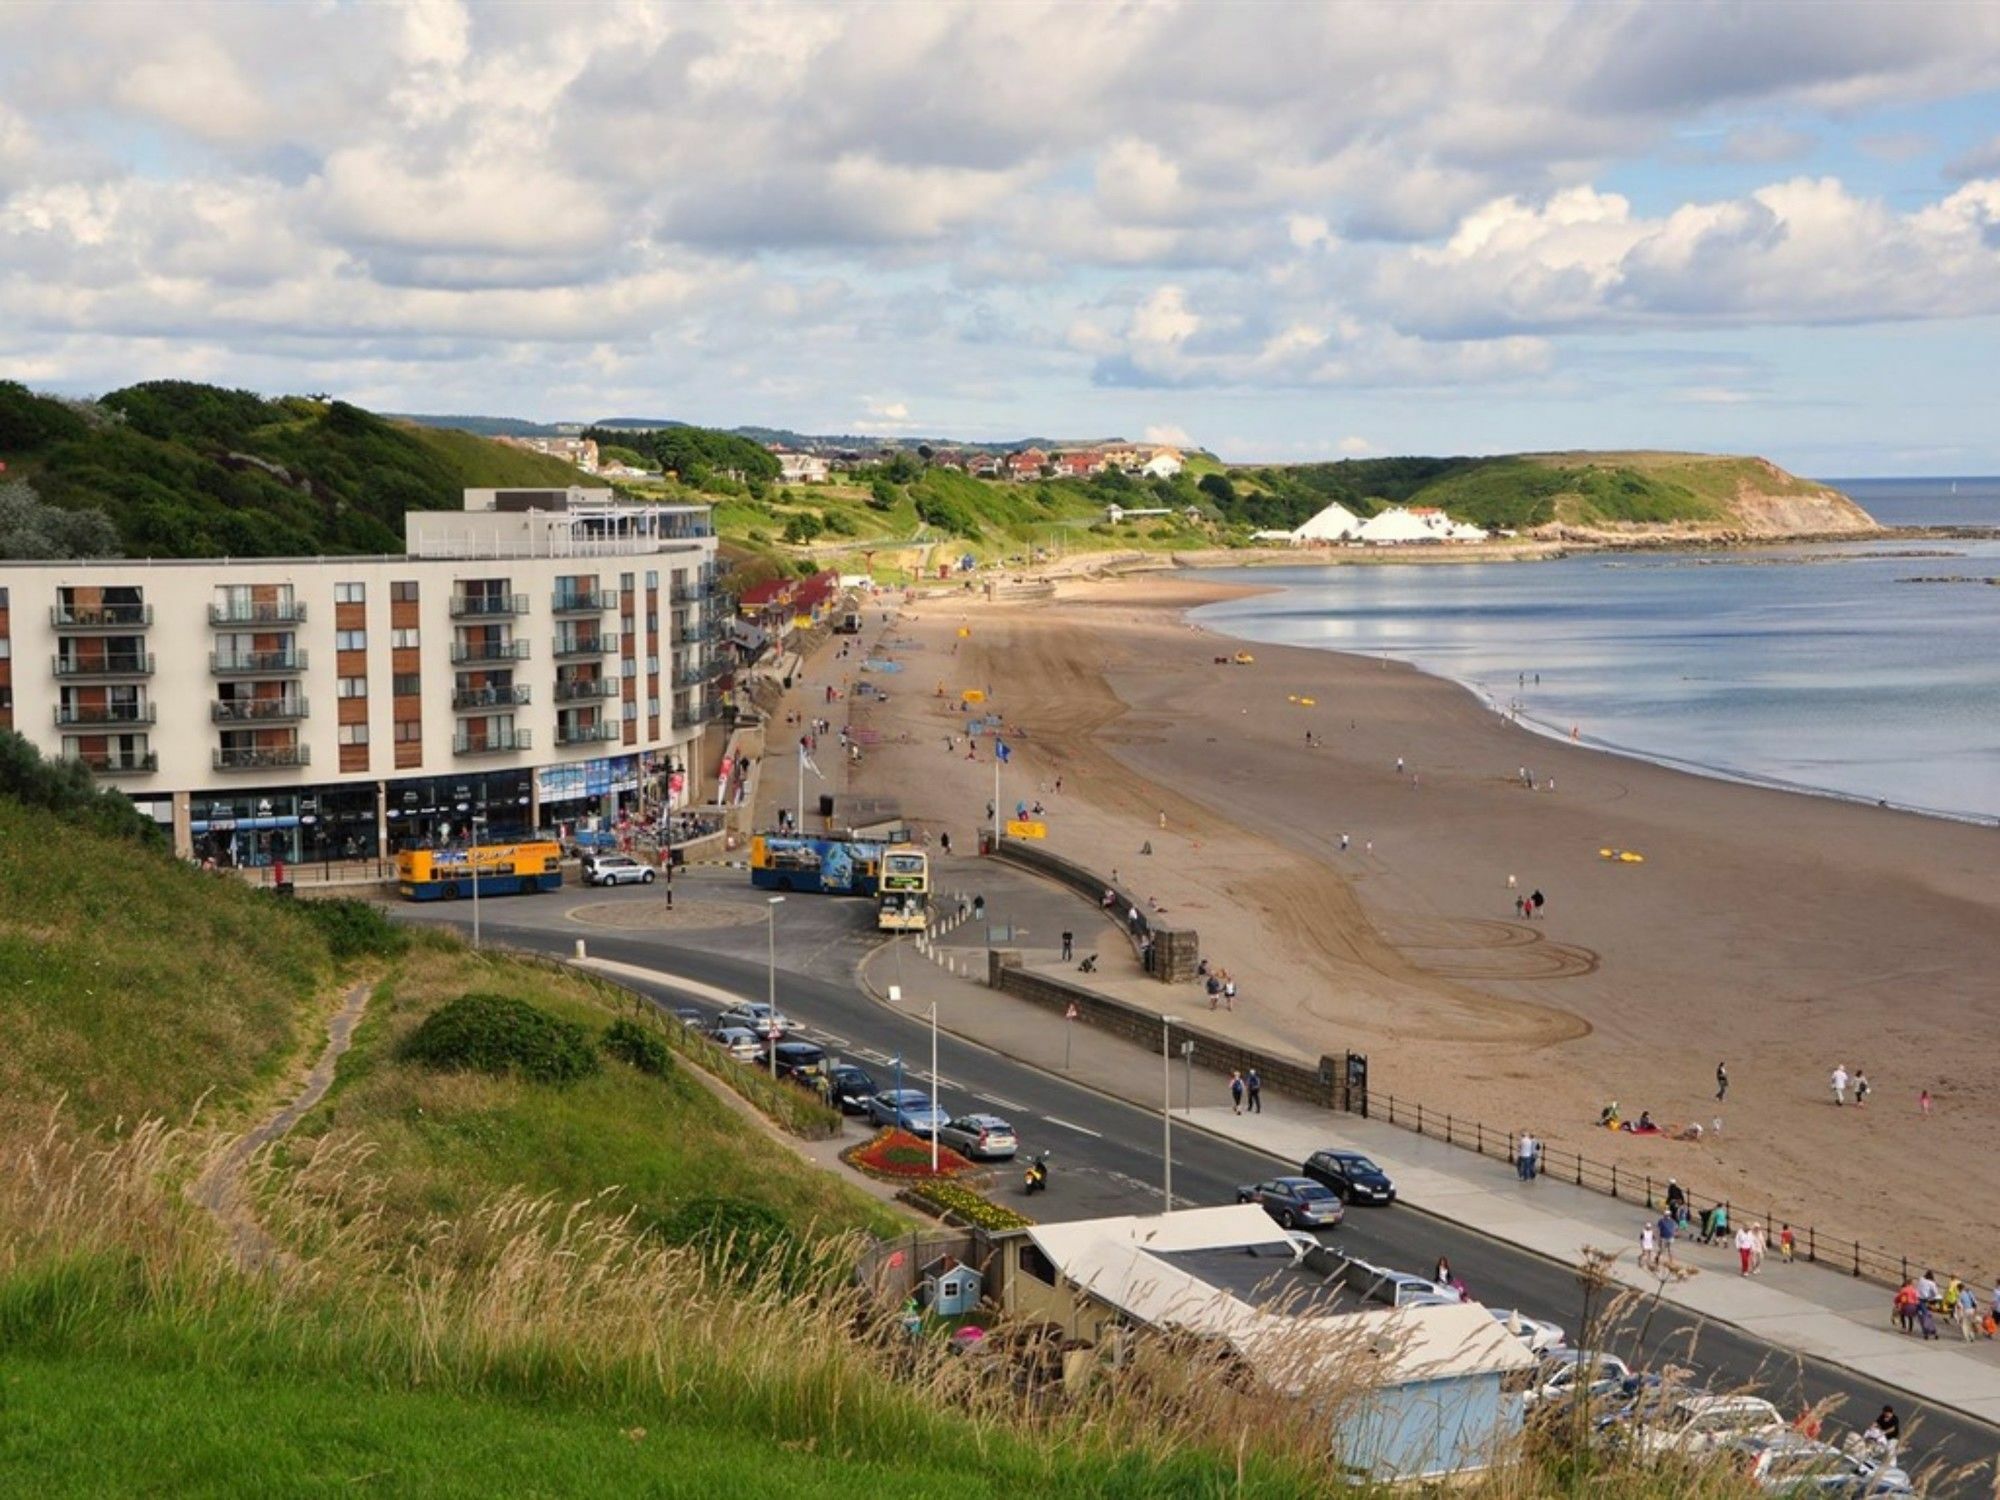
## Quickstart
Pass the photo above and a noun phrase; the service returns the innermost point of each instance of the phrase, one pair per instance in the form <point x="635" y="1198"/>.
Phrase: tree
<point x="30" y="530"/>
<point x="881" y="494"/>
<point x="803" y="526"/>
<point x="1218" y="488"/>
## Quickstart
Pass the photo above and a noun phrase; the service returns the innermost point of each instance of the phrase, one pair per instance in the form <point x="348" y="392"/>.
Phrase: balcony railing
<point x="77" y="716"/>
<point x="471" y="653"/>
<point x="256" y="710"/>
<point x="485" y="606"/>
<point x="692" y="635"/>
<point x="277" y="612"/>
<point x="111" y="763"/>
<point x="585" y="688"/>
<point x="262" y="758"/>
<point x="498" y="742"/>
<point x="489" y="697"/>
<point x="585" y="734"/>
<point x="601" y="644"/>
<point x="100" y="616"/>
<point x="241" y="663"/>
<point x="122" y="665"/>
<point x="692" y="593"/>
<point x="583" y="601"/>
<point x="695" y="676"/>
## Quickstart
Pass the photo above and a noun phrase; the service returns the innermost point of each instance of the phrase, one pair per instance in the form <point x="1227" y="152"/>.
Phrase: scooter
<point x="1037" y="1175"/>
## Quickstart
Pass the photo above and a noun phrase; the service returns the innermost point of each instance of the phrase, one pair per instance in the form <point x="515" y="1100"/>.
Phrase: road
<point x="1106" y="1153"/>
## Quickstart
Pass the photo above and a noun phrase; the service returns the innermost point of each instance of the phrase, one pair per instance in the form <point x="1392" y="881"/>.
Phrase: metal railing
<point x="498" y="742"/>
<point x="256" y="710"/>
<point x="262" y="758"/>
<point x="598" y="643"/>
<point x="585" y="734"/>
<point x="477" y="606"/>
<point x="586" y="688"/>
<point x="124" y="665"/>
<point x="695" y="676"/>
<point x="100" y="616"/>
<point x="111" y="714"/>
<point x="489" y="697"/>
<point x="278" y="613"/>
<point x="583" y="601"/>
<point x="468" y="653"/>
<point x="226" y="663"/>
<point x="1645" y="1188"/>
<point x="120" y="765"/>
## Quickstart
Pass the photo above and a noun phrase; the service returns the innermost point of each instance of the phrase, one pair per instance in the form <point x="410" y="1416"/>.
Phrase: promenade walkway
<point x="1809" y="1309"/>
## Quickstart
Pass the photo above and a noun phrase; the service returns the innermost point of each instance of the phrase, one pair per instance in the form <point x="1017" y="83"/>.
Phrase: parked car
<point x="909" y="1109"/>
<point x="794" y="1058"/>
<point x="1374" y="1283"/>
<point x="1353" y="1176"/>
<point x="616" y="869"/>
<point x="1696" y="1426"/>
<point x="1295" y="1202"/>
<point x="1566" y="1374"/>
<point x="979" y="1137"/>
<point x="756" y="1016"/>
<point x="1789" y="1463"/>
<point x="689" y="1017"/>
<point x="1540" y="1335"/>
<point x="739" y="1042"/>
<point x="851" y="1088"/>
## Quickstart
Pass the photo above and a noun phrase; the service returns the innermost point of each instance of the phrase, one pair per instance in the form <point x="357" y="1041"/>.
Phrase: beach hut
<point x="1336" y="523"/>
<point x="950" y="1288"/>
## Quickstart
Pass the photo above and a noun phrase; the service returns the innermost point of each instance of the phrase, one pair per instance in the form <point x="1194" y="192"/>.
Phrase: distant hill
<point x="188" y="470"/>
<point x="1610" y="493"/>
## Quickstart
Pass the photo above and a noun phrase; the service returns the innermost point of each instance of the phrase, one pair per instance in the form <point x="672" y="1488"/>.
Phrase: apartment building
<point x="541" y="656"/>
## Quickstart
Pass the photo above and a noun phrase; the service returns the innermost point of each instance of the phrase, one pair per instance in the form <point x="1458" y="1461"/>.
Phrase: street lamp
<point x="935" y="1094"/>
<point x="771" y="980"/>
<point x="472" y="855"/>
<point x="1167" y="1107"/>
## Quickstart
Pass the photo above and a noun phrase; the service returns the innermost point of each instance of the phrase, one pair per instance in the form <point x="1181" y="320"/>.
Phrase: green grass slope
<point x="188" y="470"/>
<point x="135" y="983"/>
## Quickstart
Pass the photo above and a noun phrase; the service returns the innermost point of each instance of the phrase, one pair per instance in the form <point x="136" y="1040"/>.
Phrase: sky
<point x="1279" y="231"/>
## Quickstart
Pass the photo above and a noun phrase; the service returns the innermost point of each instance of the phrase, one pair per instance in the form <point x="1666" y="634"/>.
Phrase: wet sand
<point x="1781" y="933"/>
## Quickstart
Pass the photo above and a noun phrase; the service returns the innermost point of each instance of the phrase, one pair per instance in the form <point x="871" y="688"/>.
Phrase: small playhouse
<point x="949" y="1287"/>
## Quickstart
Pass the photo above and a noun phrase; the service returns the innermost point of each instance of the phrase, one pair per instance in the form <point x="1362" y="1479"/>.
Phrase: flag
<point x="806" y="760"/>
<point x="1001" y="753"/>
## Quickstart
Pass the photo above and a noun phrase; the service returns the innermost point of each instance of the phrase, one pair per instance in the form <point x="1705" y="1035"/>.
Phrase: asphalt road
<point x="1105" y="1153"/>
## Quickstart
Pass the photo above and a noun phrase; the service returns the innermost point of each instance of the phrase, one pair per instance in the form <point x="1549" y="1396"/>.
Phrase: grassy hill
<point x="187" y="470"/>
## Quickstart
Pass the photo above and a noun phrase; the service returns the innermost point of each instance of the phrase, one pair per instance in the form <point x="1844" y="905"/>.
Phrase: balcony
<point x="499" y="742"/>
<point x="475" y="653"/>
<point x="106" y="716"/>
<point x="113" y="763"/>
<point x="487" y="606"/>
<point x="488" y="697"/>
<point x="601" y="644"/>
<point x="256" y="663"/>
<point x="84" y="668"/>
<point x="692" y="593"/>
<point x="693" y="635"/>
<point x="100" y="616"/>
<point x="281" y="612"/>
<point x="263" y="758"/>
<point x="585" y="734"/>
<point x="695" y="676"/>
<point x="584" y="689"/>
<point x="584" y="601"/>
<point x="256" y="710"/>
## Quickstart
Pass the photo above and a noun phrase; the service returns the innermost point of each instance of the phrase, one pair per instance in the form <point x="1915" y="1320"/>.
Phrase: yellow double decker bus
<point x="905" y="891"/>
<point x="500" y="869"/>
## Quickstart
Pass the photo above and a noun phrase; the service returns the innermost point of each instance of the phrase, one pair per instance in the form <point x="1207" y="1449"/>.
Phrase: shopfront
<point x="433" y="811"/>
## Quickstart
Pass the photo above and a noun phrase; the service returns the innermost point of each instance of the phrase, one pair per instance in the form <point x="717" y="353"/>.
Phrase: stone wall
<point x="1171" y="953"/>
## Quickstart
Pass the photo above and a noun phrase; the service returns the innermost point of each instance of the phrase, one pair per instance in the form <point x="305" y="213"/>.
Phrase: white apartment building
<point x="538" y="657"/>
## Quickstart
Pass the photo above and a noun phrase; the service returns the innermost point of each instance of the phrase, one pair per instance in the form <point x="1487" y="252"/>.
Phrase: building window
<point x="630" y="667"/>
<point x="408" y="684"/>
<point x="350" y="640"/>
<point x="1035" y="1263"/>
<point x="625" y="582"/>
<point x="6" y="648"/>
<point x="3" y="598"/>
<point x="350" y="593"/>
<point x="403" y="639"/>
<point x="353" y="734"/>
<point x="653" y="708"/>
<point x="403" y="593"/>
<point x="352" y="687"/>
<point x="653" y="665"/>
<point x="652" y="624"/>
<point x="408" y="731"/>
<point x="652" y="579"/>
<point x="631" y="712"/>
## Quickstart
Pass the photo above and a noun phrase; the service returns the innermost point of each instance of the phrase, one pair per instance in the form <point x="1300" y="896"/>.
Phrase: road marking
<point x="827" y="1036"/>
<point x="1079" y="1129"/>
<point x="1002" y="1103"/>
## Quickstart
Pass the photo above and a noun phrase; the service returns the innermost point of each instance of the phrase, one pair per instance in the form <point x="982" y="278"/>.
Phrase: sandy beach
<point x="1783" y="934"/>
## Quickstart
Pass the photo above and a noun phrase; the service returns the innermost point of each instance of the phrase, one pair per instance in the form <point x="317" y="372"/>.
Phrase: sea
<point x="1823" y="669"/>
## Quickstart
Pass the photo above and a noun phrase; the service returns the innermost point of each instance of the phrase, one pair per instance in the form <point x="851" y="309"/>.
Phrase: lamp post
<point x="771" y="980"/>
<point x="936" y="1107"/>
<point x="472" y="855"/>
<point x="1167" y="1108"/>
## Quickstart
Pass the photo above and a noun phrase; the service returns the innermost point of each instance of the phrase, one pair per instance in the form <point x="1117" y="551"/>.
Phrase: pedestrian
<point x="1536" y="901"/>
<point x="1721" y="1081"/>
<point x="1861" y="1087"/>
<point x="1924" y="1103"/>
<point x="1524" y="1157"/>
<point x="1746" y="1247"/>
<point x="1511" y="883"/>
<point x="1255" y="1087"/>
<point x="1441" y="1272"/>
<point x="1344" y="841"/>
<point x="1228" y="991"/>
<point x="1649" y="1245"/>
<point x="1369" y="847"/>
<point x="1399" y="765"/>
<point x="1966" y="1311"/>
<point x="1787" y="1243"/>
<point x="1716" y="1225"/>
<point x="1069" y="946"/>
<point x="1059" y="786"/>
<point x="1214" y="990"/>
<point x="1163" y="818"/>
<point x="1926" y="1320"/>
<point x="1236" y="1092"/>
<point x="1668" y="1229"/>
<point x="1904" y="1306"/>
<point x="1839" y="1082"/>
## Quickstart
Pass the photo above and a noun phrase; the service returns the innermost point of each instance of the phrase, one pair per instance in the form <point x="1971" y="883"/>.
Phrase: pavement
<point x="1804" y="1308"/>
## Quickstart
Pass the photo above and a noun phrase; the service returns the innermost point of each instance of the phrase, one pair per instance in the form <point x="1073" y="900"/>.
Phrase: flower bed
<point x="900" y="1155"/>
<point x="956" y="1201"/>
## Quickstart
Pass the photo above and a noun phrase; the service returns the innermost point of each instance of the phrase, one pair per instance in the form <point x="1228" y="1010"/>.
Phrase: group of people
<point x="1751" y="1240"/>
<point x="1220" y="986"/>
<point x="1920" y="1302"/>
<point x="1246" y="1092"/>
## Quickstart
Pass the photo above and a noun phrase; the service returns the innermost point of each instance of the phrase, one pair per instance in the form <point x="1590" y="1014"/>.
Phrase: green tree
<point x="30" y="530"/>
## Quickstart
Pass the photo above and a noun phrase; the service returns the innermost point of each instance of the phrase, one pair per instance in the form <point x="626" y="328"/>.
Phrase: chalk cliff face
<point x="1786" y="512"/>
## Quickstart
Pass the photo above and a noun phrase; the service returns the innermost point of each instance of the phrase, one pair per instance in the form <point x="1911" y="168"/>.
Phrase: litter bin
<point x="985" y="843"/>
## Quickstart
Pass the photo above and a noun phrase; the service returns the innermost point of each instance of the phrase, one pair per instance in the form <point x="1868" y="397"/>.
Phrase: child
<point x="1785" y="1243"/>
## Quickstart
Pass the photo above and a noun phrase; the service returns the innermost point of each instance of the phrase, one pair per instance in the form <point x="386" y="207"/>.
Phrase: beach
<point x="1780" y="933"/>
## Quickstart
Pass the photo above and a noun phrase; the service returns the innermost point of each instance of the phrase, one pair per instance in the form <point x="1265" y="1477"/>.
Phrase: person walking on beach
<point x="1924" y="1103"/>
<point x="1721" y="1081"/>
<point x="1860" y="1088"/>
<point x="1787" y="1243"/>
<point x="1512" y="884"/>
<point x="1344" y="841"/>
<point x="1255" y="1086"/>
<point x="1649" y="1245"/>
<point x="1839" y="1081"/>
<point x="1399" y="765"/>
<point x="1535" y="901"/>
<point x="1236" y="1092"/>
<point x="1746" y="1247"/>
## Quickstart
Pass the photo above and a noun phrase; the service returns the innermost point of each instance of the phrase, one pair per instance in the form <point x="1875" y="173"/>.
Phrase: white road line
<point x="1002" y="1103"/>
<point x="1080" y="1130"/>
<point x="827" y="1036"/>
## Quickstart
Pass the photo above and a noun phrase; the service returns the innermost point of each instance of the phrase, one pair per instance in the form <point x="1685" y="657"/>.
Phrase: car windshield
<point x="1308" y="1190"/>
<point x="1362" y="1164"/>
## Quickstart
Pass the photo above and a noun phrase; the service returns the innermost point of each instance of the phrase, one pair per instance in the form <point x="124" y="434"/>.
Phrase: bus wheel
<point x="451" y="891"/>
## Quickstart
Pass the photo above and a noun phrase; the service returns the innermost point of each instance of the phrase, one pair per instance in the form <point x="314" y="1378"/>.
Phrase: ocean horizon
<point x="1822" y="669"/>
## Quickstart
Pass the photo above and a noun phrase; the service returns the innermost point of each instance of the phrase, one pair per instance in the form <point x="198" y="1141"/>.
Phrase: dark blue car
<point x="1352" y="1176"/>
<point x="1295" y="1202"/>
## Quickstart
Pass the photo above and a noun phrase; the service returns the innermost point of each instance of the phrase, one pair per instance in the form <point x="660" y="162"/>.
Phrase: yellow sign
<point x="973" y="695"/>
<point x="1017" y="829"/>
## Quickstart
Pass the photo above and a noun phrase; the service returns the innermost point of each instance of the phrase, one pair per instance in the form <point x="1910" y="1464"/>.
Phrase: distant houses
<point x="580" y="451"/>
<point x="1020" y="465"/>
<point x="795" y="467"/>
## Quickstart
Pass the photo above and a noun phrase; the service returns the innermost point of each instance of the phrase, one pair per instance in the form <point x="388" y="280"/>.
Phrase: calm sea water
<point x="1812" y="668"/>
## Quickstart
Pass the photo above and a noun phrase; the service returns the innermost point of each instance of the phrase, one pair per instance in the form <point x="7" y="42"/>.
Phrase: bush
<point x="641" y="1046"/>
<point x="750" y="1240"/>
<point x="962" y="1202"/>
<point x="803" y="527"/>
<point x="355" y="929"/>
<point x="498" y="1034"/>
<point x="65" y="788"/>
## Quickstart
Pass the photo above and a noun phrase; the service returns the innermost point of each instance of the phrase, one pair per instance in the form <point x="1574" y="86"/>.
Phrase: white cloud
<point x="1169" y="433"/>
<point x="1354" y="447"/>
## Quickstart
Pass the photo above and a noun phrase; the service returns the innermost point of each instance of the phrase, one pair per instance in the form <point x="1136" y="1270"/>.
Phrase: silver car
<point x="979" y="1137"/>
<point x="616" y="869"/>
<point x="741" y="1044"/>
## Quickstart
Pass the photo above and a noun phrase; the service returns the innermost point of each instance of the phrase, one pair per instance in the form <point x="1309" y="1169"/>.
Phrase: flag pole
<point x="996" y="794"/>
<point x="802" y="784"/>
